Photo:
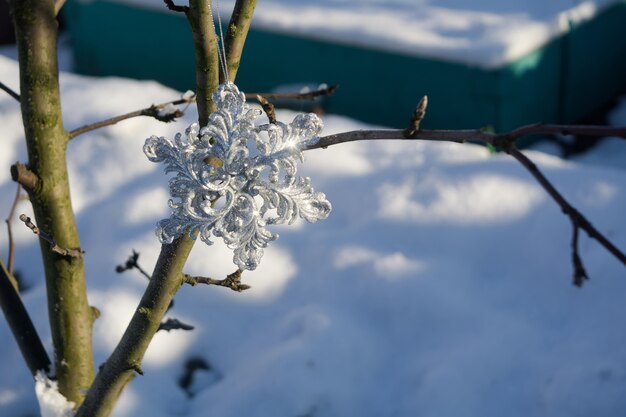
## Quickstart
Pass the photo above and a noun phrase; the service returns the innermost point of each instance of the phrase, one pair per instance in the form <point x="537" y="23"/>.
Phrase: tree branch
<point x="578" y="220"/>
<point x="236" y="34"/>
<point x="119" y="369"/>
<point x="309" y="95"/>
<point x="167" y="276"/>
<point x="475" y="135"/>
<point x="506" y="142"/>
<point x="580" y="274"/>
<point x="69" y="313"/>
<point x="9" y="91"/>
<point x="200" y="17"/>
<point x="232" y="281"/>
<point x="21" y="325"/>
<point x="156" y="111"/>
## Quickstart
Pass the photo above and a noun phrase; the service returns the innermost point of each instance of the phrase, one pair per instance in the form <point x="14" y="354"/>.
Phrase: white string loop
<point x="221" y="47"/>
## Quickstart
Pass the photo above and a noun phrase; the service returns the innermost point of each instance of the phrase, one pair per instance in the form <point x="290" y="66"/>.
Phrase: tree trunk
<point x="70" y="316"/>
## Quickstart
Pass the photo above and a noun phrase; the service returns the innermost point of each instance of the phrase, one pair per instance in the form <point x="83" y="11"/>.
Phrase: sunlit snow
<point x="439" y="286"/>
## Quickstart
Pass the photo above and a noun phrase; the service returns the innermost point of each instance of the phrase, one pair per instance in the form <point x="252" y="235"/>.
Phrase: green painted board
<point x="562" y="82"/>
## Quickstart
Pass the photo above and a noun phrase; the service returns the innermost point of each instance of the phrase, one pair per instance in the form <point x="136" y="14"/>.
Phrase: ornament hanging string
<point x="221" y="47"/>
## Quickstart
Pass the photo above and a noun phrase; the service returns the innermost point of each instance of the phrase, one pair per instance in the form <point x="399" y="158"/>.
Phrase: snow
<point x="439" y="286"/>
<point x="51" y="402"/>
<point x="484" y="33"/>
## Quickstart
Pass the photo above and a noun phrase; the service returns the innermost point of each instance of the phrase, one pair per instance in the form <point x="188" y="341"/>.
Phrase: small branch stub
<point x="23" y="176"/>
<point x="137" y="368"/>
<point x="71" y="252"/>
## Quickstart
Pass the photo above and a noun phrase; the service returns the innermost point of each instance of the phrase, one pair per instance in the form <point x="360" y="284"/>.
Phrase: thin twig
<point x="232" y="281"/>
<point x="131" y="263"/>
<point x="580" y="274"/>
<point x="578" y="220"/>
<point x="309" y="95"/>
<point x="9" y="91"/>
<point x="71" y="252"/>
<point x="154" y="111"/>
<point x="174" y="324"/>
<point x="8" y="221"/>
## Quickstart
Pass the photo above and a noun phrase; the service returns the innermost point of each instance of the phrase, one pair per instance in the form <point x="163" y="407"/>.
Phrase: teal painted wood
<point x="562" y="82"/>
<point x="596" y="57"/>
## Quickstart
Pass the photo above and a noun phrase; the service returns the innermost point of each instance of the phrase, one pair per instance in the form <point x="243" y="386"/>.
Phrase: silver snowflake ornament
<point x="234" y="178"/>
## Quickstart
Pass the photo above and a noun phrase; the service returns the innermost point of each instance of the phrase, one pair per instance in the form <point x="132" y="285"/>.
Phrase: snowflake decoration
<point x="234" y="178"/>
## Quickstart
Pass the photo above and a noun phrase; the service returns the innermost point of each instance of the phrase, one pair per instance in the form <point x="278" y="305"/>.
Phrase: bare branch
<point x="232" y="281"/>
<point x="309" y="95"/>
<point x="580" y="274"/>
<point x="501" y="140"/>
<point x="21" y="325"/>
<point x="268" y="108"/>
<point x="578" y="220"/>
<point x="506" y="142"/>
<point x="155" y="111"/>
<point x="236" y="34"/>
<point x="174" y="324"/>
<point x="71" y="252"/>
<point x="9" y="91"/>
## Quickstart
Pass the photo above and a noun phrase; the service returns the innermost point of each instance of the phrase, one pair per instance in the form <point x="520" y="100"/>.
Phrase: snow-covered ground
<point x="485" y="33"/>
<point x="439" y="286"/>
